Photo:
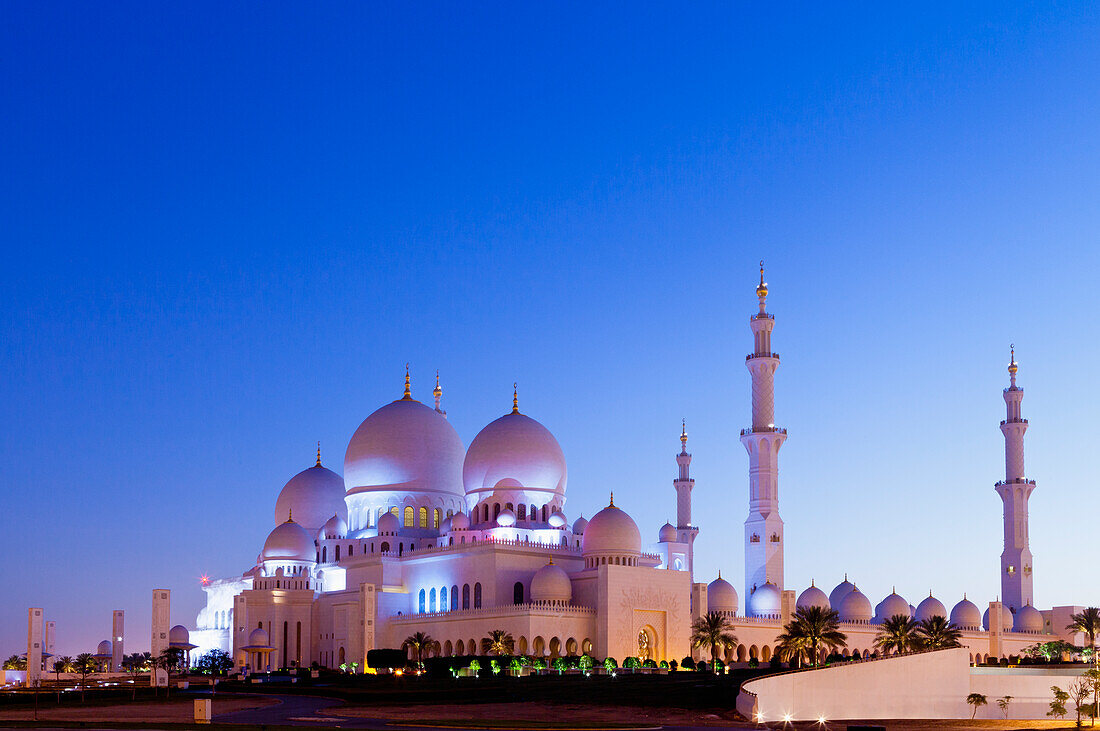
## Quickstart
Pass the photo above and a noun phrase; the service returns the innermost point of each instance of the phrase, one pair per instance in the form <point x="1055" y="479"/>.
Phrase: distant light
<point x="204" y="580"/>
<point x="786" y="718"/>
<point x="821" y="720"/>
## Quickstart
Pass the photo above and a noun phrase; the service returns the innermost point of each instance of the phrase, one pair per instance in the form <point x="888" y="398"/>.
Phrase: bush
<point x="631" y="662"/>
<point x="672" y="665"/>
<point x="719" y="666"/>
<point x="387" y="658"/>
<point x="664" y="664"/>
<point x="753" y="662"/>
<point x="688" y="663"/>
<point x="610" y="663"/>
<point x="775" y="662"/>
<point x="701" y="666"/>
<point x="585" y="663"/>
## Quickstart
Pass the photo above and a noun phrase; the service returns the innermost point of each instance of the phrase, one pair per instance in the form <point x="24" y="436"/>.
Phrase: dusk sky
<point x="228" y="227"/>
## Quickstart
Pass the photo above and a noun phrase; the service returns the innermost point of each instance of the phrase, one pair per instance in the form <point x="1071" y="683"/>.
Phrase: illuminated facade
<point x="423" y="535"/>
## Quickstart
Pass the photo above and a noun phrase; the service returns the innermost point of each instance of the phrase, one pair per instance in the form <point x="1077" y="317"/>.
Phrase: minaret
<point x="684" y="485"/>
<point x="763" y="527"/>
<point x="1016" y="578"/>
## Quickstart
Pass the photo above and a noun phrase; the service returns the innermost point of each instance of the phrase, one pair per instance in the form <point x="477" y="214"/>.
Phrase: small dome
<point x="519" y="452"/>
<point x="1028" y="619"/>
<point x="557" y="519"/>
<point x="312" y="496"/>
<point x="812" y="597"/>
<point x="1007" y="619"/>
<point x="179" y="635"/>
<point x="721" y="596"/>
<point x="404" y="447"/>
<point x="930" y="607"/>
<point x="104" y="648"/>
<point x="612" y="531"/>
<point x="965" y="615"/>
<point x="388" y="524"/>
<point x="667" y="534"/>
<point x="460" y="521"/>
<point x="836" y="596"/>
<point x="290" y="542"/>
<point x="551" y="584"/>
<point x="334" y="527"/>
<point x="579" y="525"/>
<point x="446" y="525"/>
<point x="258" y="638"/>
<point x="506" y="518"/>
<point x="764" y="602"/>
<point x="892" y="606"/>
<point x="855" y="607"/>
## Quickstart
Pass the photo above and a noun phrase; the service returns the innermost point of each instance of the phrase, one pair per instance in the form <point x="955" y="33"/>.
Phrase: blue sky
<point x="228" y="226"/>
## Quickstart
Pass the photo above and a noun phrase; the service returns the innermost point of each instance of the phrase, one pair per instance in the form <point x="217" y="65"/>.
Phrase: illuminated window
<point x="431" y="600"/>
<point x="443" y="599"/>
<point x="436" y="517"/>
<point x="423" y="517"/>
<point x="409" y="517"/>
<point x="454" y="597"/>
<point x="421" y="601"/>
<point x="394" y="510"/>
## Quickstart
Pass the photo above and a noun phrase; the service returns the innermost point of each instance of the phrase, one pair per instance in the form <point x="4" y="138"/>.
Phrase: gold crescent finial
<point x="408" y="387"/>
<point x="1012" y="367"/>
<point x="684" y="432"/>
<point x="318" y="454"/>
<point x="611" y="503"/>
<point x="515" y="398"/>
<point x="762" y="288"/>
<point x="290" y="516"/>
<point x="437" y="388"/>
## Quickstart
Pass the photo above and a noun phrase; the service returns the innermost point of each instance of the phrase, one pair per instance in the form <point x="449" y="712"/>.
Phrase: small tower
<point x="684" y="484"/>
<point x="1016" y="560"/>
<point x="437" y="392"/>
<point x="762" y="440"/>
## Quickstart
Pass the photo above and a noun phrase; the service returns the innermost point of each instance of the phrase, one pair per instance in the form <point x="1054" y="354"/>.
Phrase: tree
<point x="810" y="629"/>
<point x="169" y="659"/>
<point x="15" y="662"/>
<point x="1088" y="622"/>
<point x="1003" y="703"/>
<point x="936" y="633"/>
<point x="135" y="664"/>
<point x="1058" y="705"/>
<point x="419" y="642"/>
<point x="976" y="701"/>
<point x="498" y="643"/>
<point x="63" y="664"/>
<point x="897" y="633"/>
<point x="1093" y="674"/>
<point x="713" y="630"/>
<point x="85" y="665"/>
<point x="1079" y="692"/>
<point x="215" y="662"/>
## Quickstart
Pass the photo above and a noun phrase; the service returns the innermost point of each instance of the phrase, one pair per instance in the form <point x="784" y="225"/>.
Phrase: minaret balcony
<point x="763" y="316"/>
<point x="1016" y="481"/>
<point x="763" y="430"/>
<point x="750" y="356"/>
<point x="1013" y="421"/>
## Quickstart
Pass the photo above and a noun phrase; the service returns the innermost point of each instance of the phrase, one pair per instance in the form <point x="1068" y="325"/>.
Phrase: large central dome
<point x="514" y="453"/>
<point x="404" y="446"/>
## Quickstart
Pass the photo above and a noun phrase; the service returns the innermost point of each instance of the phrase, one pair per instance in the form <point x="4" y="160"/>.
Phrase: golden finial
<point x="515" y="398"/>
<point x="611" y="503"/>
<point x="408" y="388"/>
<point x="684" y="433"/>
<point x="1012" y="367"/>
<point x="762" y="289"/>
<point x="811" y="582"/>
<point x="318" y="455"/>
<point x="551" y="561"/>
<point x="719" y="573"/>
<point x="290" y="516"/>
<point x="437" y="390"/>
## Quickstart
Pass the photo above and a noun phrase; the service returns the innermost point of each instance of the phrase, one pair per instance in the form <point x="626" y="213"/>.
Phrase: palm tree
<point x="498" y="643"/>
<point x="419" y="642"/>
<point x="713" y="630"/>
<point x="169" y="659"/>
<point x="63" y="664"/>
<point x="811" y="628"/>
<point x="976" y="701"/>
<point x="1087" y="621"/>
<point x="791" y="645"/>
<point x="936" y="633"/>
<point x="135" y="664"/>
<point x="897" y="633"/>
<point x="85" y="665"/>
<point x="15" y="662"/>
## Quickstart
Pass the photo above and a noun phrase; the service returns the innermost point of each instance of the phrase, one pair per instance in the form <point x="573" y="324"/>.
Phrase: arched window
<point x="431" y="600"/>
<point x="421" y="601"/>
<point x="385" y="547"/>
<point x="324" y="554"/>
<point x="350" y="548"/>
<point x="408" y="516"/>
<point x="517" y="593"/>
<point x="423" y="517"/>
<point x="485" y="512"/>
<point x="543" y="513"/>
<point x="477" y="595"/>
<point x="454" y="597"/>
<point x="522" y="513"/>
<point x="450" y="513"/>
<point x="533" y="513"/>
<point x="496" y="510"/>
<point x="465" y="596"/>
<point x="337" y="553"/>
<point x="443" y="599"/>
<point x="437" y="515"/>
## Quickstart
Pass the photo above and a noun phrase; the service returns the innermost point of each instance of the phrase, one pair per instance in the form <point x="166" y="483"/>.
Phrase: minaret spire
<point x="1015" y="490"/>
<point x="684" y="484"/>
<point x="318" y="455"/>
<point x="408" y="387"/>
<point x="762" y="440"/>
<point x="515" y="398"/>
<point x="437" y="392"/>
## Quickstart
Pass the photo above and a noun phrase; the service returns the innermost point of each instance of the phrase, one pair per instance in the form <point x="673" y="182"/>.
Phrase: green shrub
<point x="631" y="662"/>
<point x="585" y="663"/>
<point x="688" y="663"/>
<point x="610" y="663"/>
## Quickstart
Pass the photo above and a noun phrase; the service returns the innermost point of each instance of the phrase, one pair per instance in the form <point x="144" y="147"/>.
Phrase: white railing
<point x="526" y="608"/>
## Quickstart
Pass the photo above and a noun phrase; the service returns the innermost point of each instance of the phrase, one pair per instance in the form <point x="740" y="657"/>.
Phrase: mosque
<point x="421" y="534"/>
